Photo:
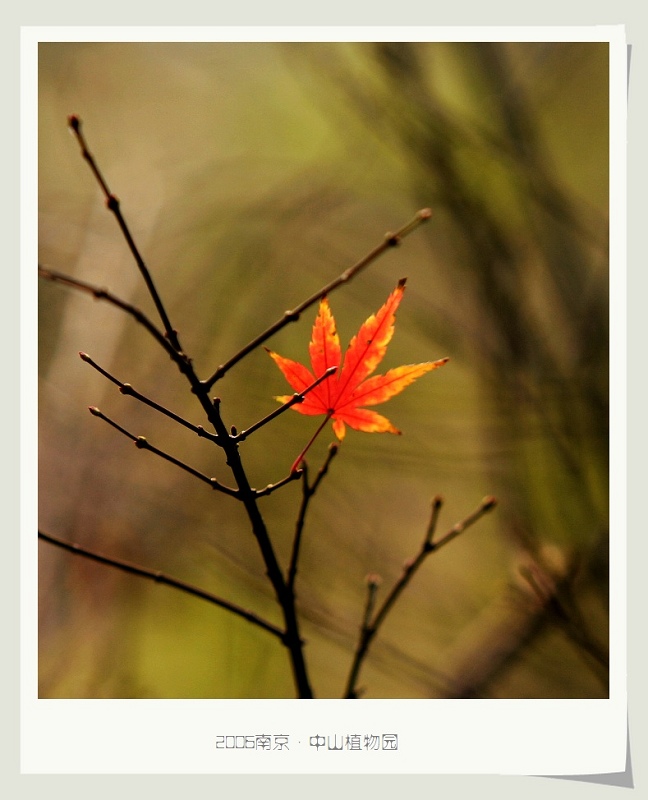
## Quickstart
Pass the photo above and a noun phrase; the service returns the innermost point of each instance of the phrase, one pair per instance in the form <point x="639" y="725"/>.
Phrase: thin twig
<point x="160" y="577"/>
<point x="298" y="397"/>
<point x="142" y="443"/>
<point x="370" y="629"/>
<point x="486" y="505"/>
<point x="272" y="487"/>
<point x="373" y="582"/>
<point x="127" y="389"/>
<point x="113" y="205"/>
<point x="100" y="293"/>
<point x="308" y="490"/>
<point x="244" y="492"/>
<point x="390" y="240"/>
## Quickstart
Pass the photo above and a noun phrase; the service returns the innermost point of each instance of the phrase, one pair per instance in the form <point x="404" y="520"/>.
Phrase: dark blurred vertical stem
<point x="529" y="382"/>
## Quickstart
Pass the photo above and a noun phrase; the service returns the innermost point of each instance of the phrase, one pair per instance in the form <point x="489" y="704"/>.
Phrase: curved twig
<point x="160" y="577"/>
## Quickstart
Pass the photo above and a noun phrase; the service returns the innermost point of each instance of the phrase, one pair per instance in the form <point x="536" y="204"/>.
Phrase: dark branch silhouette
<point x="160" y="577"/>
<point x="370" y="626"/>
<point x="283" y="583"/>
<point x="390" y="240"/>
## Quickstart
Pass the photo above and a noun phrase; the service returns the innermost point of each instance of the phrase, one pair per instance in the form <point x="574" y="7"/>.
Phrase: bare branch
<point x="390" y="240"/>
<point x="370" y="628"/>
<point x="294" y="400"/>
<point x="307" y="493"/>
<point x="486" y="505"/>
<point x="142" y="443"/>
<point x="160" y="577"/>
<point x="271" y="487"/>
<point x="127" y="389"/>
<point x="100" y="293"/>
<point x="112" y="203"/>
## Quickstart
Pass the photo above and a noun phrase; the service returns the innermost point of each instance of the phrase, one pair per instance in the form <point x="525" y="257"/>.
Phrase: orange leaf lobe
<point x="342" y="395"/>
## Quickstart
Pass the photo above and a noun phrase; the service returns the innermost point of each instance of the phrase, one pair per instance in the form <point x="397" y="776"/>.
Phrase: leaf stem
<point x="300" y="457"/>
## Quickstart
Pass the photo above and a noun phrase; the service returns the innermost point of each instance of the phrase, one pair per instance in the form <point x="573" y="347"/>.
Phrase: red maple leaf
<point x="341" y="396"/>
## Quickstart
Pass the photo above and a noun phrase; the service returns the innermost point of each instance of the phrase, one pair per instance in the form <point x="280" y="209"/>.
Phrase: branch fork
<point x="283" y="581"/>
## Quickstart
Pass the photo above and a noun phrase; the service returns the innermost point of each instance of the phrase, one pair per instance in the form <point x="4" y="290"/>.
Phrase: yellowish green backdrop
<point x="252" y="174"/>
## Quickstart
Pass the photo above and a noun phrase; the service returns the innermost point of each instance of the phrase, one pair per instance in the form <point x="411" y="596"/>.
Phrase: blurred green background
<point x="251" y="174"/>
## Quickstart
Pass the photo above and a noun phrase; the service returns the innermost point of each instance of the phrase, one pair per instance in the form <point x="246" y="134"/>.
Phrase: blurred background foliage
<point x="252" y="174"/>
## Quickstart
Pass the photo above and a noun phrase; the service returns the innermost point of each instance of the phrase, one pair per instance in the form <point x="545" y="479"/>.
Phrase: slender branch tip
<point x="373" y="579"/>
<point x="489" y="503"/>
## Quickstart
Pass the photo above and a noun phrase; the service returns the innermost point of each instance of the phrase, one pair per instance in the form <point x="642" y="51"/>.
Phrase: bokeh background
<point x="252" y="174"/>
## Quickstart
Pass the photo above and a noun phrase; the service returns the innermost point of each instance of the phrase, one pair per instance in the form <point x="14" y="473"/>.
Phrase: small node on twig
<point x="141" y="442"/>
<point x="373" y="580"/>
<point x="489" y="502"/>
<point x="291" y="316"/>
<point x="126" y="389"/>
<point x="74" y="122"/>
<point x="392" y="239"/>
<point x="425" y="213"/>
